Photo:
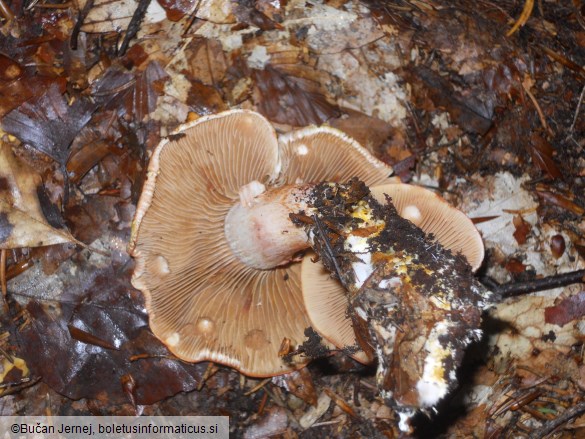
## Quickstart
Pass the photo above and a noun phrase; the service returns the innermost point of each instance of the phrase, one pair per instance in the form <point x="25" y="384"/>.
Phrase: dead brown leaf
<point x="251" y="16"/>
<point x="542" y="152"/>
<point x="515" y="266"/>
<point x="82" y="346"/>
<point x="22" y="222"/>
<point x="470" y="114"/>
<point x="300" y="384"/>
<point x="48" y="123"/>
<point x="177" y="9"/>
<point x="549" y="196"/>
<point x="18" y="84"/>
<point x="567" y="310"/>
<point x="291" y="100"/>
<point x="522" y="229"/>
<point x="107" y="16"/>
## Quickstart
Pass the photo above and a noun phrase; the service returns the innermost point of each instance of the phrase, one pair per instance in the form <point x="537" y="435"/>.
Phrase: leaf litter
<point x="493" y="122"/>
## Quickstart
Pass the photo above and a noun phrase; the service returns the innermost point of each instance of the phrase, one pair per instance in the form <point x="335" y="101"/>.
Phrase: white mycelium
<point x="433" y="386"/>
<point x="359" y="245"/>
<point x="362" y="268"/>
<point x="404" y="422"/>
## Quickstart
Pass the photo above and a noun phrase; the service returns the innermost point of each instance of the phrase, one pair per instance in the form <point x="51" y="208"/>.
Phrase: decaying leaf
<point x="83" y="346"/>
<point x="115" y="16"/>
<point x="149" y="86"/>
<point x="251" y="16"/>
<point x="542" y="155"/>
<point x="522" y="229"/>
<point x="563" y="201"/>
<point x="300" y="384"/>
<point x="471" y="115"/>
<point x="91" y="146"/>
<point x="569" y="309"/>
<point x="291" y="100"/>
<point x="18" y="84"/>
<point x="22" y="223"/>
<point x="177" y="9"/>
<point x="515" y="266"/>
<point x="48" y="123"/>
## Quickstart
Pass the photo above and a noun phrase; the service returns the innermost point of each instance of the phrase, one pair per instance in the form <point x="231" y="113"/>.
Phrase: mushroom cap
<point x="324" y="296"/>
<point x="316" y="154"/>
<point x="203" y="302"/>
<point x="429" y="211"/>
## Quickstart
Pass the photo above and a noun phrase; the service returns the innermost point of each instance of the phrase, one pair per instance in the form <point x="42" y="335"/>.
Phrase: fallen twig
<point x="524" y="16"/>
<point x="577" y="110"/>
<point x="77" y="28"/>
<point x="553" y="424"/>
<point x="134" y="25"/>
<point x="6" y="11"/>
<point x="3" y="277"/>
<point x="514" y="289"/>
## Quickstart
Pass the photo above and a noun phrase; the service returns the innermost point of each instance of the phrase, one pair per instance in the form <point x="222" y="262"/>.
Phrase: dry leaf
<point x="18" y="84"/>
<point x="515" y="266"/>
<point x="542" y="155"/>
<point x="569" y="309"/>
<point x="547" y="196"/>
<point x="250" y="16"/>
<point x="289" y="99"/>
<point x="115" y="16"/>
<point x="177" y="9"/>
<point x="49" y="123"/>
<point x="522" y="229"/>
<point x="22" y="223"/>
<point x="300" y="383"/>
<point x="94" y="332"/>
<point x="470" y="114"/>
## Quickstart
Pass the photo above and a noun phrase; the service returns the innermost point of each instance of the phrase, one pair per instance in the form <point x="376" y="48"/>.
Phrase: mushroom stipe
<point x="421" y="303"/>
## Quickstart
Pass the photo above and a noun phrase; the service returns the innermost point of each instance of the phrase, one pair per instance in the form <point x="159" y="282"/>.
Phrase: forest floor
<point x="479" y="101"/>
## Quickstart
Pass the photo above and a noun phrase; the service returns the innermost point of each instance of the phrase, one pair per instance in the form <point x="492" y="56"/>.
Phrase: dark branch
<point x="514" y="289"/>
<point x="134" y="25"/>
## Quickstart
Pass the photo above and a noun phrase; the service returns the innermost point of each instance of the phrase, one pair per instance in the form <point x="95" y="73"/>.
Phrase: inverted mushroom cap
<point x="325" y="298"/>
<point x="204" y="303"/>
<point x="427" y="210"/>
<point x="316" y="154"/>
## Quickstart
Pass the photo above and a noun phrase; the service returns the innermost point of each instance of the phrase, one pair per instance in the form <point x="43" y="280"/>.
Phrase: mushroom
<point x="326" y="299"/>
<point x="212" y="239"/>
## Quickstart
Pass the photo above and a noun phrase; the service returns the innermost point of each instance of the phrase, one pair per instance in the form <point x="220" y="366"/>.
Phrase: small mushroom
<point x="324" y="296"/>
<point x="212" y="239"/>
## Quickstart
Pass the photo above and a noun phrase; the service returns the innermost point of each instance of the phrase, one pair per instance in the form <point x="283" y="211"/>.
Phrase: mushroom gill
<point x="208" y="210"/>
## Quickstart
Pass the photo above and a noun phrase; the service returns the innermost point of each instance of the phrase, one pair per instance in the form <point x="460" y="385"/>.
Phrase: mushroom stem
<point x="420" y="302"/>
<point x="260" y="232"/>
